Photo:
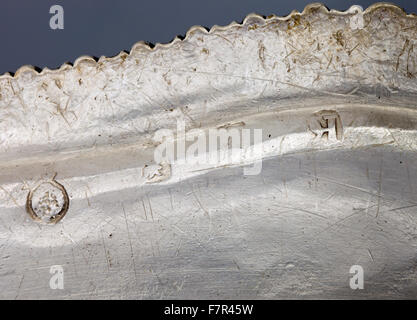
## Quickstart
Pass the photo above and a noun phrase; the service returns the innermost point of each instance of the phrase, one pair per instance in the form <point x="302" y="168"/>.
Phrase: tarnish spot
<point x="48" y="202"/>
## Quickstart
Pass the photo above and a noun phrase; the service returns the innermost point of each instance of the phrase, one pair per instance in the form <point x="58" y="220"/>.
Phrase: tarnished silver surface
<point x="335" y="96"/>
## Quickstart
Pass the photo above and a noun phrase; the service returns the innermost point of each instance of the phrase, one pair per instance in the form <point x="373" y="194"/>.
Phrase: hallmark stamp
<point x="157" y="173"/>
<point x="48" y="202"/>
<point x="328" y="125"/>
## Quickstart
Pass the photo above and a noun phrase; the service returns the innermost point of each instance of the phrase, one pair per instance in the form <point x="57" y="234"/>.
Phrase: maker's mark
<point x="328" y="125"/>
<point x="48" y="202"/>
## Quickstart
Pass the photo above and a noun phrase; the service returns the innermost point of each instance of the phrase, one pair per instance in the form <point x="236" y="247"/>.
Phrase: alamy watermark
<point x="217" y="147"/>
<point x="356" y="281"/>
<point x="57" y="279"/>
<point x="57" y="20"/>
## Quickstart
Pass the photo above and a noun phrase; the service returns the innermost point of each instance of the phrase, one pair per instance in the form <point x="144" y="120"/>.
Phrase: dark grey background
<point x="105" y="27"/>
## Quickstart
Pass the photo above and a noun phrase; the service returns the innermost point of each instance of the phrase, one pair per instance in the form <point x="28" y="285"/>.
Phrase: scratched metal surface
<point x="320" y="204"/>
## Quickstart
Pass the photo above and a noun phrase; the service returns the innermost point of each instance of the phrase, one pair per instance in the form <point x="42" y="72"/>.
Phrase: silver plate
<point x="334" y="94"/>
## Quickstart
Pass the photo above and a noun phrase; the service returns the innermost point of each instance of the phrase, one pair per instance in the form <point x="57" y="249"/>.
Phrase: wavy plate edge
<point x="308" y="9"/>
